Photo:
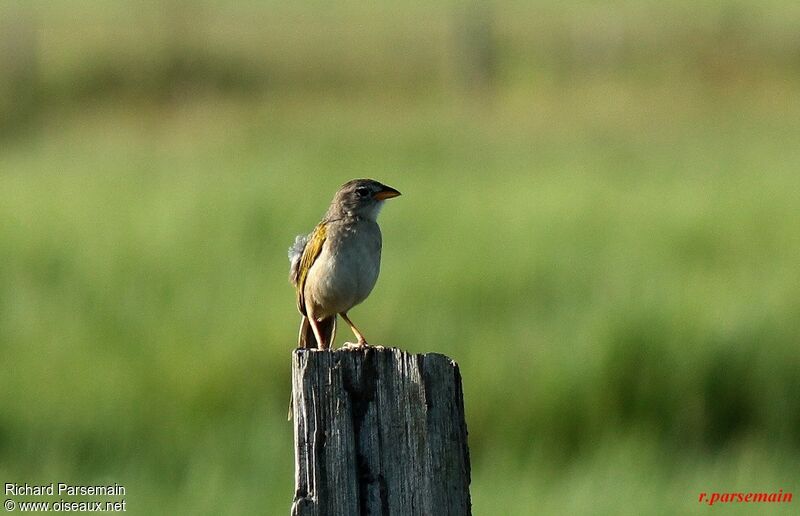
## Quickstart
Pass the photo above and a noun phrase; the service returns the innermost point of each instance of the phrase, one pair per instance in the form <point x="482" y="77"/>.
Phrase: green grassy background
<point x="599" y="223"/>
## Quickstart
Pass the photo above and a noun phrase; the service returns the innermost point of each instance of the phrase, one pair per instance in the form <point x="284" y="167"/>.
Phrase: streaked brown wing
<point x="310" y="254"/>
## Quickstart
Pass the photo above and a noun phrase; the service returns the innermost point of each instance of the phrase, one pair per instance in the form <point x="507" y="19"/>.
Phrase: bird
<point x="335" y="267"/>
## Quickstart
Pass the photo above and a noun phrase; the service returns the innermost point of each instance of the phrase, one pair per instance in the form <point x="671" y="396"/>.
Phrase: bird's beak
<point x="387" y="193"/>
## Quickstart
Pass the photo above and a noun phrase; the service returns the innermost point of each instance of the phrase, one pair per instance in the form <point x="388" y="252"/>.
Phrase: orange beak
<point x="387" y="193"/>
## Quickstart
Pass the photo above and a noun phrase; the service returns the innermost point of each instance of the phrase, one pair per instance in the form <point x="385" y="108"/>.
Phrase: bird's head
<point x="361" y="198"/>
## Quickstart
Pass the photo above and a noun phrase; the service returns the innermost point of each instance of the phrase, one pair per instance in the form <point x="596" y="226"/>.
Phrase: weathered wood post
<point x="378" y="432"/>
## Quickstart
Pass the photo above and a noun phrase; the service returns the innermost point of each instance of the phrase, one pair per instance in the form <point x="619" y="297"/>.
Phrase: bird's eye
<point x="362" y="191"/>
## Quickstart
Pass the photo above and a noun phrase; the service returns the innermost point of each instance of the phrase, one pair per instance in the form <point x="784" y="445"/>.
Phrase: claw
<point x="362" y="344"/>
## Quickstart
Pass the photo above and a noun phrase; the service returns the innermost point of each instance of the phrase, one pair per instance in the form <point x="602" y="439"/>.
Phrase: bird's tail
<point x="307" y="339"/>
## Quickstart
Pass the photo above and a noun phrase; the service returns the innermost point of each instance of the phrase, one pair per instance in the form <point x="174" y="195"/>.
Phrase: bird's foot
<point x="354" y="346"/>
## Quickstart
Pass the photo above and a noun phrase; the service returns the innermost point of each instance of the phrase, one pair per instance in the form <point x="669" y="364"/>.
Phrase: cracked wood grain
<point x="378" y="432"/>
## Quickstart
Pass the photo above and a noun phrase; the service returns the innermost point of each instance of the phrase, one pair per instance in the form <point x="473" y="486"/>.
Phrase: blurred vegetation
<point x="599" y="223"/>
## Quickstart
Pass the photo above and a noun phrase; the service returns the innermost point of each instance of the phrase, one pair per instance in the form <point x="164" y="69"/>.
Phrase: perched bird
<point x="336" y="266"/>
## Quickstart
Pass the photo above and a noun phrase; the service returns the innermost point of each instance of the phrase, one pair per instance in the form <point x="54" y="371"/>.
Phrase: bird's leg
<point x="317" y="333"/>
<point x="362" y="342"/>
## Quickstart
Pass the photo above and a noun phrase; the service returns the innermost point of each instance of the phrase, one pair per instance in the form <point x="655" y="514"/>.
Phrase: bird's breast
<point x="347" y="268"/>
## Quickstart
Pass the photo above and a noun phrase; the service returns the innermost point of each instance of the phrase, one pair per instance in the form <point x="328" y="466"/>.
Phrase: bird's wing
<point x="295" y="253"/>
<point x="311" y="251"/>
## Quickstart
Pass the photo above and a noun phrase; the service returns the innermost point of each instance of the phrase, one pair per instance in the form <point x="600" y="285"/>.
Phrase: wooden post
<point x="378" y="432"/>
